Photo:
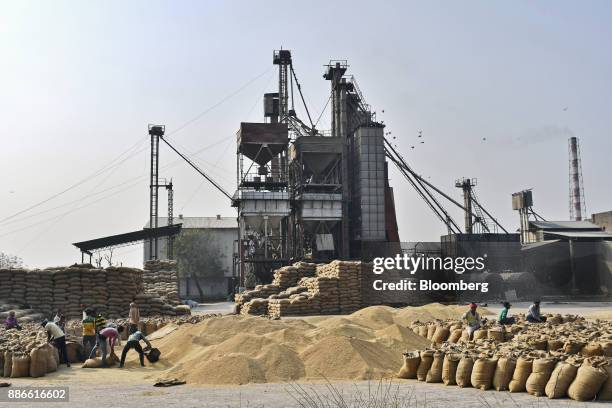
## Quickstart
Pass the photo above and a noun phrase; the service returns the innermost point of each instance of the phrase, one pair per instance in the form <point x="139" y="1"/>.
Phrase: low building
<point x="224" y="232"/>
<point x="603" y="220"/>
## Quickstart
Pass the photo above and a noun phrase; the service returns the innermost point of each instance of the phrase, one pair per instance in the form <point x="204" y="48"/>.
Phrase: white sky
<point x="80" y="81"/>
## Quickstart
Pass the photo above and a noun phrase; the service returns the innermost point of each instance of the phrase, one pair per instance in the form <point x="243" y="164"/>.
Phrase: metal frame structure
<point x="577" y="203"/>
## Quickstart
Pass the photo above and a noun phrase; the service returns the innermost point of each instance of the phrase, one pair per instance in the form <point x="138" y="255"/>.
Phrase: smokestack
<point x="576" y="192"/>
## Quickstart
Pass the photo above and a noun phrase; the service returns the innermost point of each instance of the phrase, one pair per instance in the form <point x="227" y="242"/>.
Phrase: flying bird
<point x="422" y="142"/>
<point x="564" y="109"/>
<point x="484" y="138"/>
<point x="412" y="147"/>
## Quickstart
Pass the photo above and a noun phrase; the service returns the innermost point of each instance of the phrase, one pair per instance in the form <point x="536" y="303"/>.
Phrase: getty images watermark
<point x="412" y="264"/>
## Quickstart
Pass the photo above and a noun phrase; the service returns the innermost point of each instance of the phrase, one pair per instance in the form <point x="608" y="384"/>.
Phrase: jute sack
<point x="8" y="363"/>
<point x="51" y="361"/>
<point x="1" y="363"/>
<point x="592" y="349"/>
<point x="495" y="334"/>
<point x="606" y="347"/>
<point x="423" y="331"/>
<point x="482" y="373"/>
<point x="540" y="374"/>
<point x="440" y="335"/>
<point x="523" y="368"/>
<point x="424" y="364"/>
<point x="538" y="344"/>
<point x="449" y="368"/>
<point x="605" y="392"/>
<point x="560" y="379"/>
<point x="464" y="371"/>
<point x="38" y="362"/>
<point x="455" y="335"/>
<point x="431" y="330"/>
<point x="503" y="373"/>
<point x="572" y="346"/>
<point x="480" y="334"/>
<point x="74" y="350"/>
<point x="92" y="363"/>
<point x="150" y="327"/>
<point x="465" y="337"/>
<point x="434" y="375"/>
<point x="411" y="364"/>
<point x="587" y="383"/>
<point x="21" y="366"/>
<point x="554" y="344"/>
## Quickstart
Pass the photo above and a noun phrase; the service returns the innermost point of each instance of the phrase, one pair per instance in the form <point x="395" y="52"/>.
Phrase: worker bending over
<point x="133" y="342"/>
<point x="55" y="333"/>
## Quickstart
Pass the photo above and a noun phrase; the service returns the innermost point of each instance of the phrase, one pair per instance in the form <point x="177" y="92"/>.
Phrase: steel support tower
<point x="155" y="131"/>
<point x="577" y="206"/>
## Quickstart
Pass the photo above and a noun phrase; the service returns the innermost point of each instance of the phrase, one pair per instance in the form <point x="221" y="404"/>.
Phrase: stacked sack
<point x="6" y="276"/>
<point x="260" y="291"/>
<point x="94" y="290"/>
<point x="39" y="290"/>
<point x="326" y="291"/>
<point x="349" y="283"/>
<point x="122" y="285"/>
<point x="256" y="307"/>
<point x="161" y="278"/>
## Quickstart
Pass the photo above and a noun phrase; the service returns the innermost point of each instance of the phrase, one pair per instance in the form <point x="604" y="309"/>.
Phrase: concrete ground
<point x="133" y="386"/>
<point x="400" y="393"/>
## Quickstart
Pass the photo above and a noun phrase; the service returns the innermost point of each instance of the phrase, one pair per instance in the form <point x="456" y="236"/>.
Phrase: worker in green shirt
<point x="503" y="315"/>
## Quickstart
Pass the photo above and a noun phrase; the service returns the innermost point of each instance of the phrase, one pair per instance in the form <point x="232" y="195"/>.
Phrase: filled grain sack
<point x="449" y="368"/>
<point x="21" y="366"/>
<point x="431" y="330"/>
<point x="75" y="351"/>
<point x="465" y="336"/>
<point x="538" y="344"/>
<point x="51" y="361"/>
<point x="606" y="347"/>
<point x="464" y="371"/>
<point x="592" y="349"/>
<point x="542" y="368"/>
<point x="503" y="373"/>
<point x="455" y="335"/>
<point x="1" y="363"/>
<point x="523" y="368"/>
<point x="424" y="364"/>
<point x="423" y="331"/>
<point x="605" y="392"/>
<point x="411" y="364"/>
<point x="554" y="344"/>
<point x="8" y="363"/>
<point x="92" y="363"/>
<point x="440" y="335"/>
<point x="482" y="373"/>
<point x="587" y="383"/>
<point x="560" y="379"/>
<point x="480" y="334"/>
<point x="572" y="346"/>
<point x="434" y="375"/>
<point x="150" y="327"/>
<point x="495" y="334"/>
<point x="38" y="362"/>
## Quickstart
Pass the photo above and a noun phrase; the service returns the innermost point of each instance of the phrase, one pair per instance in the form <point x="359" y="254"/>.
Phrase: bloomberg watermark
<point x="412" y="264"/>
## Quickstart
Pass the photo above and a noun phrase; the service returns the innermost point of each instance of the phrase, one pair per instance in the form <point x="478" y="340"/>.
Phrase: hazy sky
<point x="80" y="81"/>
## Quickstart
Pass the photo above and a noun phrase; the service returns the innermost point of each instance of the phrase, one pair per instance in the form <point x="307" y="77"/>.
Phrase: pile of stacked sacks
<point x="566" y="356"/>
<point x="306" y="289"/>
<point x="161" y="278"/>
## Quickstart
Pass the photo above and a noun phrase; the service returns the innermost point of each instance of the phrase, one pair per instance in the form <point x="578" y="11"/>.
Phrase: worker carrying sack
<point x="153" y="355"/>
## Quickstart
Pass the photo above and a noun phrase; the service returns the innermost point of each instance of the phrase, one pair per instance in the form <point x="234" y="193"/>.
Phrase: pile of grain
<point x="160" y="277"/>
<point x="241" y="349"/>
